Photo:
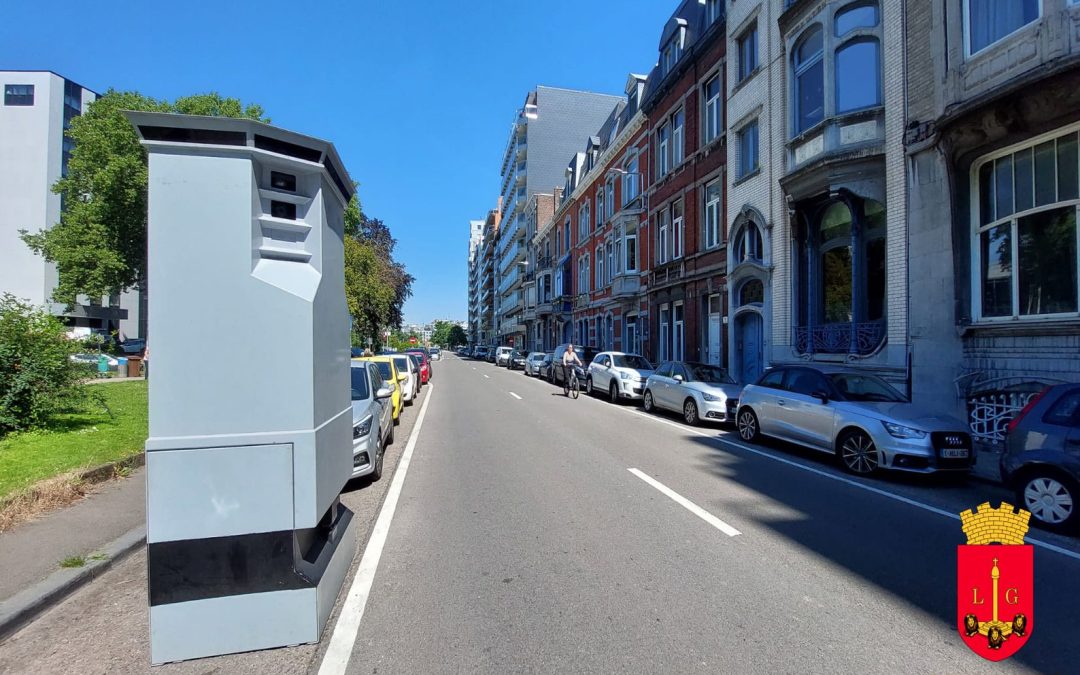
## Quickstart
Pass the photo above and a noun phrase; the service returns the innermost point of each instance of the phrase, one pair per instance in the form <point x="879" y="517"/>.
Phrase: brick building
<point x="686" y="291"/>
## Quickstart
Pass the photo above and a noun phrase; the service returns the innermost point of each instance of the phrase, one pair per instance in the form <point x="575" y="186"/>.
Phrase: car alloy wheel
<point x="690" y="413"/>
<point x="858" y="453"/>
<point x="747" y="423"/>
<point x="1050" y="500"/>
<point x="613" y="392"/>
<point x="376" y="472"/>
<point x="588" y="386"/>
<point x="647" y="401"/>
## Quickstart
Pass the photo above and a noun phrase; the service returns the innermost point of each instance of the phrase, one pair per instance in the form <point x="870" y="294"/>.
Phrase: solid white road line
<point x="486" y="376"/>
<point x="841" y="479"/>
<point x="515" y="396"/>
<point x="687" y="504"/>
<point x="336" y="659"/>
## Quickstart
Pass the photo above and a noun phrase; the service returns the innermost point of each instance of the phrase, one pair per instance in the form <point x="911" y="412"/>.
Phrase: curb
<point x="23" y="607"/>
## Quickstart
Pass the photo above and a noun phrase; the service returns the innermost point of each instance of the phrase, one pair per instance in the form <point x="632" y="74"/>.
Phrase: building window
<point x="583" y="222"/>
<point x="631" y="176"/>
<point x="855" y="16"/>
<point x="631" y="253"/>
<point x="663" y="227"/>
<point x="1025" y="231"/>
<point x="712" y="214"/>
<point x="857" y="68"/>
<point x="665" y="332"/>
<point x="630" y="335"/>
<point x="609" y="197"/>
<point x="991" y="20"/>
<point x="583" y="274"/>
<point x="677" y="341"/>
<point x="678" y="230"/>
<point x="748" y="149"/>
<point x="714" y="9"/>
<point x="671" y="53"/>
<point x="566" y="235"/>
<point x="752" y="293"/>
<point x="747" y="246"/>
<point x="600" y="217"/>
<point x="18" y="94"/>
<point x="600" y="267"/>
<point x="678" y="141"/>
<point x="663" y="150"/>
<point x="713" y="119"/>
<point x="748" y="58"/>
<point x="809" y="80"/>
<point x="610" y="261"/>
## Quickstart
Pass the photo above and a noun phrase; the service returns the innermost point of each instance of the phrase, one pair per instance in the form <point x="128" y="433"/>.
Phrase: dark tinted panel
<point x="773" y="379"/>
<point x="1066" y="412"/>
<point x="202" y="136"/>
<point x="286" y="148"/>
<point x="806" y="382"/>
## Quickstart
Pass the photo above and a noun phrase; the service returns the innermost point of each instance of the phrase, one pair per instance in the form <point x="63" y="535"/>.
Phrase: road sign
<point x="412" y="340"/>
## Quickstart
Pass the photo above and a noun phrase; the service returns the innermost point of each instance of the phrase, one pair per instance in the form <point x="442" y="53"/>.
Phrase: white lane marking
<point x="515" y="396"/>
<point x="474" y="367"/>
<point x="847" y="481"/>
<point x="687" y="504"/>
<point x="486" y="376"/>
<point x="336" y="659"/>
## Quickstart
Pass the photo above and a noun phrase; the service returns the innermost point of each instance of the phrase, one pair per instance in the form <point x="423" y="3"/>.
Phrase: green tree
<point x="99" y="245"/>
<point x="440" y="335"/>
<point x="457" y="336"/>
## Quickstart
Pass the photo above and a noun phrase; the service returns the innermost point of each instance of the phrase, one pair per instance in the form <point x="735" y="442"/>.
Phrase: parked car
<point x="618" y="374"/>
<point x="856" y="416"/>
<point x="532" y="363"/>
<point x="1041" y="461"/>
<point x="133" y="347"/>
<point x="558" y="375"/>
<point x="411" y="386"/>
<point x="501" y="355"/>
<point x="372" y="419"/>
<point x="481" y="353"/>
<point x="393" y="381"/>
<point x="435" y="354"/>
<point x="516" y="360"/>
<point x="544" y="370"/>
<point x="699" y="391"/>
<point x="425" y="364"/>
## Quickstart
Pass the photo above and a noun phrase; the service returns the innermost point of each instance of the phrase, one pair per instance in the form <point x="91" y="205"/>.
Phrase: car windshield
<point x="702" y="372"/>
<point x="857" y="387"/>
<point x="360" y="388"/>
<point x="631" y="361"/>
<point x="384" y="368"/>
<point x="402" y="363"/>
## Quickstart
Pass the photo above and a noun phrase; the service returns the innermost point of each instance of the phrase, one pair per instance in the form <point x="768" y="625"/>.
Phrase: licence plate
<point x="954" y="453"/>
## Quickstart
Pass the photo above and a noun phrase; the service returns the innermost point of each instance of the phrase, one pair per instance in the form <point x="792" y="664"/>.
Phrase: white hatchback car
<point x="619" y="375"/>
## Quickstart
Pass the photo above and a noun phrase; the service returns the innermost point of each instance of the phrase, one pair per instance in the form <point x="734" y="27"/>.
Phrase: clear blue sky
<point x="418" y="96"/>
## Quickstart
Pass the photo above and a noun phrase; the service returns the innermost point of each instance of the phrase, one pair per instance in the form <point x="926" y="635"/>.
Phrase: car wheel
<point x="389" y="437"/>
<point x="858" y="453"/>
<point x="376" y="471"/>
<point x="613" y="392"/>
<point x="1051" y="499"/>
<point x="588" y="386"/>
<point x="690" y="413"/>
<point x="647" y="401"/>
<point x="747" y="423"/>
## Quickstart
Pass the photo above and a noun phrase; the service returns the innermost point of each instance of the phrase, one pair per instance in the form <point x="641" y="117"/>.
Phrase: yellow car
<point x="393" y="378"/>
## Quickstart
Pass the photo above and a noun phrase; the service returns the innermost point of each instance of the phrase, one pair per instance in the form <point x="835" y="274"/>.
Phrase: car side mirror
<point x="821" y="396"/>
<point x="402" y="377"/>
<point x="385" y="392"/>
<point x="677" y="378"/>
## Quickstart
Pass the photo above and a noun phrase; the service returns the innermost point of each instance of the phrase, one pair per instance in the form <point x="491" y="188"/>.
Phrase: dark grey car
<point x="1042" y="457"/>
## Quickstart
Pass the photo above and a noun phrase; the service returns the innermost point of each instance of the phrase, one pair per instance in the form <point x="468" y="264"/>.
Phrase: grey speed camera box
<point x="250" y="420"/>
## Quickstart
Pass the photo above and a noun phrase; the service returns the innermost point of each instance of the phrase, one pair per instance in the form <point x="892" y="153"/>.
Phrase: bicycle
<point x="572" y="383"/>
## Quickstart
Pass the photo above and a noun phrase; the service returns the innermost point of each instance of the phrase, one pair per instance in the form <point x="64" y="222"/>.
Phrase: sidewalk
<point x="33" y="551"/>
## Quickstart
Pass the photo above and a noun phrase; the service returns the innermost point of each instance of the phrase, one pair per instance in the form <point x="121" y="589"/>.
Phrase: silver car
<point x="532" y="363"/>
<point x="699" y="391"/>
<point x="618" y="374"/>
<point x="372" y="418"/>
<point x="856" y="416"/>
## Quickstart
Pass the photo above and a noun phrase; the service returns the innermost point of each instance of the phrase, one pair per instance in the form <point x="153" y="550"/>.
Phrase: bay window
<point x="631" y="253"/>
<point x="610" y="261"/>
<point x="809" y="80"/>
<point x="988" y="21"/>
<point x="618" y="251"/>
<point x="712" y="214"/>
<point x="609" y="197"/>
<point x="631" y="178"/>
<point x="1025" y="232"/>
<point x="857" y="67"/>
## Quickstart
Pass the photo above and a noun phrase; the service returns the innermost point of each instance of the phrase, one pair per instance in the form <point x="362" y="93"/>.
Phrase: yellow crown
<point x="987" y="525"/>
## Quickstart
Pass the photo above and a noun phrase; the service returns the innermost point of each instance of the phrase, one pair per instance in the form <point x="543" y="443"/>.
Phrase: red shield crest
<point x="995" y="603"/>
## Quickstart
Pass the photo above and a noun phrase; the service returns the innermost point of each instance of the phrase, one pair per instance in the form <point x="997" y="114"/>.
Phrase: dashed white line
<point x="336" y="659"/>
<point x="486" y="376"/>
<point x="515" y="396"/>
<point x="687" y="504"/>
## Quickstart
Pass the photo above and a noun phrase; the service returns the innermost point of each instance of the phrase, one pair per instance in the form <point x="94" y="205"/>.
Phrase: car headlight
<point x="900" y="431"/>
<point x="362" y="429"/>
<point x="712" y="398"/>
<point x="623" y="375"/>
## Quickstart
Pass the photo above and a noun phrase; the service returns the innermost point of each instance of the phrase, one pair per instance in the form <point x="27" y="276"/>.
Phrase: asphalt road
<point x="523" y="542"/>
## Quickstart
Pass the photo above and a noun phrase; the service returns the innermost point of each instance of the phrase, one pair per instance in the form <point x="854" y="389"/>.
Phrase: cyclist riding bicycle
<point x="569" y="359"/>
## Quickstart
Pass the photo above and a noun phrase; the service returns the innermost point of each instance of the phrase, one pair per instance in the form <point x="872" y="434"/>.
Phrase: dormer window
<point x="672" y="52"/>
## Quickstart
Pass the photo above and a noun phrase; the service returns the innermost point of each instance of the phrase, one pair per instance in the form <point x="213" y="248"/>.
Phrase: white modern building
<point x="36" y="109"/>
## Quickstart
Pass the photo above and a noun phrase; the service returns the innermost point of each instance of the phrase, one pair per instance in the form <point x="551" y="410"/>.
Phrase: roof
<point x="690" y="15"/>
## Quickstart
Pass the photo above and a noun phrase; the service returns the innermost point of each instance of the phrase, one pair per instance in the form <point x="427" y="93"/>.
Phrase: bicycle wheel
<point x="574" y="387"/>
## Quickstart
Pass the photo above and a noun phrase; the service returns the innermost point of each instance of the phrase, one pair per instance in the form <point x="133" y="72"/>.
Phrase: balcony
<point x="544" y="263"/>
<point x="859" y="339"/>
<point x="626" y="284"/>
<point x="668" y="273"/>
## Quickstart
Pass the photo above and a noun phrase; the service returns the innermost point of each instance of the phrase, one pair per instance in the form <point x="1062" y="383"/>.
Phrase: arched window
<point x="856" y="16"/>
<point x="752" y="293"/>
<point x="858" y="68"/>
<point x="809" y="79"/>
<point x="748" y="246"/>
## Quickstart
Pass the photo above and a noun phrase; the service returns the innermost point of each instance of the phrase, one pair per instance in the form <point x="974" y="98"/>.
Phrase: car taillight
<point x="1024" y="411"/>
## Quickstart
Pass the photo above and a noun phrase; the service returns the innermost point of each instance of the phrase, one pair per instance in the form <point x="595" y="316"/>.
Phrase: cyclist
<point x="569" y="359"/>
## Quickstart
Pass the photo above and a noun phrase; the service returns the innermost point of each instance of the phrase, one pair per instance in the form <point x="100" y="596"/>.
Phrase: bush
<point x="37" y="376"/>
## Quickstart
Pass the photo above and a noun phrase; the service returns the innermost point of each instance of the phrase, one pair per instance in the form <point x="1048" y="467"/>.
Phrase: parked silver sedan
<point x="857" y="416"/>
<point x="372" y="418"/>
<point x="699" y="391"/>
<point x="532" y="363"/>
<point x="619" y="375"/>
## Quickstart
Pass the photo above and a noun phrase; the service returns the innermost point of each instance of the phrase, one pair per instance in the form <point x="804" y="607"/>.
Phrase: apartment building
<point x="476" y="242"/>
<point x="545" y="130"/>
<point x="487" y="272"/>
<point x="537" y="283"/>
<point x="993" y="105"/>
<point x="686" y="175"/>
<point x="36" y="109"/>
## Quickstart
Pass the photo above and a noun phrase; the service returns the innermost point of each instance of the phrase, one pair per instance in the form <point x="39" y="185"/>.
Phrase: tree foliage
<point x="99" y="245"/>
<point x="37" y="376"/>
<point x="457" y="336"/>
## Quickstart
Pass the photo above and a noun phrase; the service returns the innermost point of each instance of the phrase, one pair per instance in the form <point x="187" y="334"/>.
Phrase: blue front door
<point x="748" y="339"/>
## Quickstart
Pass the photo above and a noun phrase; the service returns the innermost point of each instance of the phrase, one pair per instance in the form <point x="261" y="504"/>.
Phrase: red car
<point x="425" y="364"/>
